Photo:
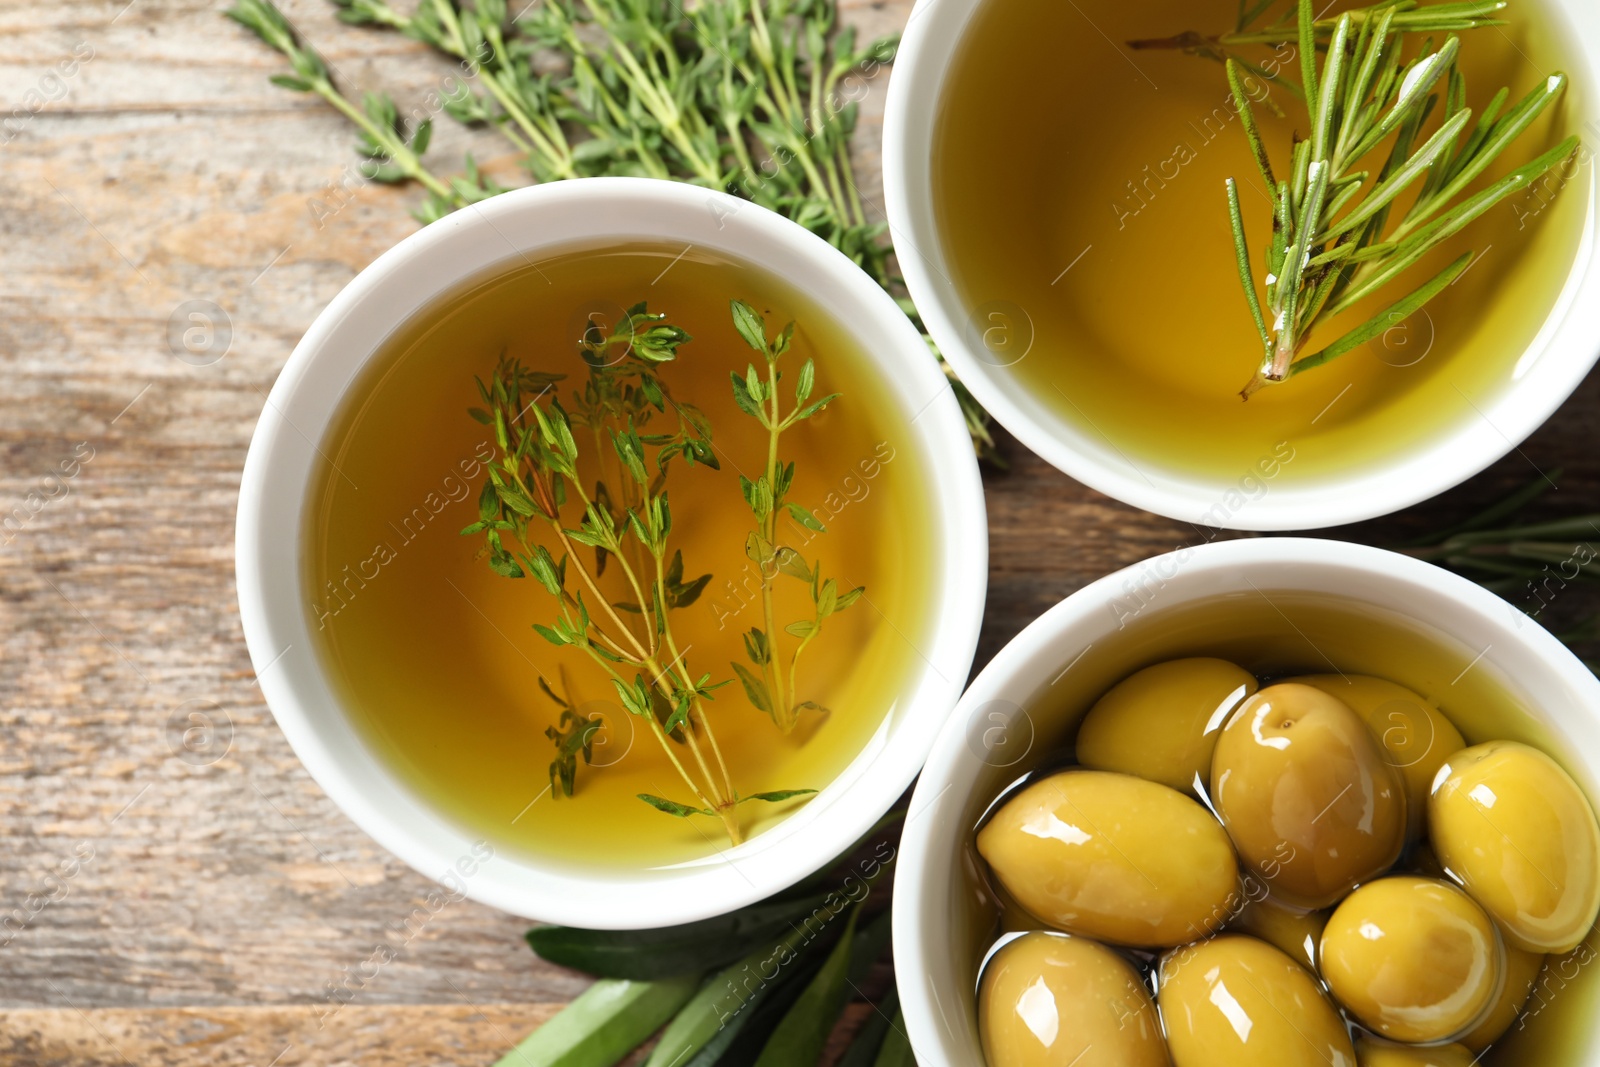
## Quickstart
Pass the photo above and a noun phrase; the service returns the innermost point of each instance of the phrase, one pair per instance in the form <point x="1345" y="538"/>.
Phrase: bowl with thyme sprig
<point x="1344" y="252"/>
<point x="620" y="550"/>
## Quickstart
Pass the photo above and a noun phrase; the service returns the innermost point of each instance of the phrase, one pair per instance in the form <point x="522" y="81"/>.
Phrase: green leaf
<point x="757" y="647"/>
<point x="776" y="796"/>
<point x="1387" y="319"/>
<point x="896" y="1050"/>
<point x="751" y="326"/>
<point x="1430" y="236"/>
<point x="603" y="1024"/>
<point x="673" y="950"/>
<point x="800" y="1036"/>
<point x="1395" y="184"/>
<point x="812" y="408"/>
<point x="514" y="499"/>
<point x="806" y="382"/>
<point x="1242" y="254"/>
<point x="805" y="518"/>
<point x="801" y="628"/>
<point x="1241" y="100"/>
<point x="793" y="564"/>
<point x="754" y="688"/>
<point x="289" y="81"/>
<point x="672" y="807"/>
<point x="1496" y="140"/>
<point x="747" y="403"/>
<point x="863" y="1051"/>
<point x="549" y="634"/>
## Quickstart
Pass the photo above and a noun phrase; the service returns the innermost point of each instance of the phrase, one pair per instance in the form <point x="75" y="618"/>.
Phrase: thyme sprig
<point x="391" y="149"/>
<point x="755" y="97"/>
<point x="1332" y="244"/>
<point x="767" y="494"/>
<point x="540" y="518"/>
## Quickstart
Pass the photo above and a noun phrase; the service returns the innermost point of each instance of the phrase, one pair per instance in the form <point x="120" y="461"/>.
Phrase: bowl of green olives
<point x="1266" y="802"/>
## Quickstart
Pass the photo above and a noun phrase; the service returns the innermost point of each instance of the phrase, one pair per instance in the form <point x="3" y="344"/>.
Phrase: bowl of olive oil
<point x="589" y="547"/>
<point x="1191" y="283"/>
<point x="1140" y="831"/>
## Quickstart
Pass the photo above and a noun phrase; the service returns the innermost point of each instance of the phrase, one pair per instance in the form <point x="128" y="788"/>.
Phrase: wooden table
<point x="173" y="911"/>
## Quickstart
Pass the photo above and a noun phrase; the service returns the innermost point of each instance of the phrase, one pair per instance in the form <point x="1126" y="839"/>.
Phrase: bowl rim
<point x="929" y="846"/>
<point x="1556" y="361"/>
<point x="276" y="484"/>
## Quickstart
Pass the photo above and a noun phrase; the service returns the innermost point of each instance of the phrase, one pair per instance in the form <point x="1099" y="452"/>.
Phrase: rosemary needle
<point x="1333" y="246"/>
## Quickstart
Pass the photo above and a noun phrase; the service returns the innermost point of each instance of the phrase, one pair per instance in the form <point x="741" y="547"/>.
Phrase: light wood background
<point x="166" y="912"/>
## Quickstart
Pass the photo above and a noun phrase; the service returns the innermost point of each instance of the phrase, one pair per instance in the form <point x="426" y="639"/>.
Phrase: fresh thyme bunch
<point x="1332" y="243"/>
<point x="767" y="496"/>
<point x="754" y="97"/>
<point x="535" y="488"/>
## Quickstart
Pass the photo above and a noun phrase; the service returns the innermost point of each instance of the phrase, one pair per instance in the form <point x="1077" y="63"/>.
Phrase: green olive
<point x="1113" y="857"/>
<point x="1046" y="1000"/>
<point x="1373" y="1053"/>
<point x="1234" y="1001"/>
<point x="1522" y="971"/>
<point x="1307" y="796"/>
<point x="1414" y="959"/>
<point x="1415" y="734"/>
<point x="1517" y="832"/>
<point x="1293" y="931"/>
<point x="1161" y="723"/>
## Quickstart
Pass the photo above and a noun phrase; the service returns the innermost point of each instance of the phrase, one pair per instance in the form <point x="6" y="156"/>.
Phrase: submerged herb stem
<point x="1332" y="245"/>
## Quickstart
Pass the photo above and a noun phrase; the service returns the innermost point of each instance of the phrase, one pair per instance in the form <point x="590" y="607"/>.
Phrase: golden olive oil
<point x="1079" y="191"/>
<point x="435" y="655"/>
<point x="1278" y="634"/>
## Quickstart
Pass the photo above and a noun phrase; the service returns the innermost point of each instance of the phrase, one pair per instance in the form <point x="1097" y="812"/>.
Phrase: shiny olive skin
<point x="1234" y="1001"/>
<point x="1519" y="834"/>
<point x="1416" y="735"/>
<point x="1161" y="723"/>
<point x="1290" y="930"/>
<point x="1374" y="1053"/>
<point x="1047" y="1000"/>
<point x="1113" y="857"/>
<point x="1308" y="797"/>
<point x="1522" y="971"/>
<point x="1413" y="959"/>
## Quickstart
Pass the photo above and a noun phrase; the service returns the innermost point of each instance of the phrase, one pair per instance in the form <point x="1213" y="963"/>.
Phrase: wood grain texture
<point x="177" y="912"/>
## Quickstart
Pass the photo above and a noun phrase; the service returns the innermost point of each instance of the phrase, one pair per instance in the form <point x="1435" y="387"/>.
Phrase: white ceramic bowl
<point x="1559" y="357"/>
<point x="280" y="470"/>
<point x="998" y="720"/>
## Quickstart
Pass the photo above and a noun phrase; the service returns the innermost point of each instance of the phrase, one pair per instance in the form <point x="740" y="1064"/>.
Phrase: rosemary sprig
<point x="1332" y="244"/>
<point x="767" y="495"/>
<point x="1529" y="564"/>
<point x="535" y="486"/>
<point x="755" y="97"/>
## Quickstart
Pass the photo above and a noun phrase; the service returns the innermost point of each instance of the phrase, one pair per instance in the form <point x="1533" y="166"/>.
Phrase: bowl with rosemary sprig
<point x="611" y="551"/>
<point x="1162" y="825"/>
<point x="1264" y="264"/>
